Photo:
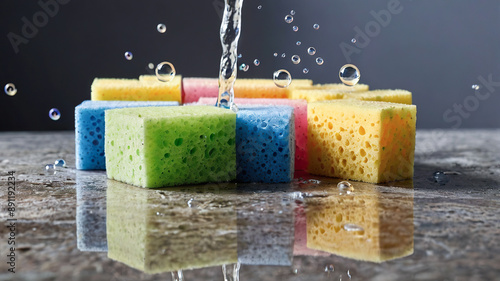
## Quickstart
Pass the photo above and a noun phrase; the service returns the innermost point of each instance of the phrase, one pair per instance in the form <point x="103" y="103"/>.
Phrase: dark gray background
<point x="436" y="49"/>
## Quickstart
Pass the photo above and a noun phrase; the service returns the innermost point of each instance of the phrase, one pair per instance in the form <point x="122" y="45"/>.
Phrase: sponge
<point x="321" y="92"/>
<point x="300" y="112"/>
<point x="361" y="140"/>
<point x="312" y="95"/>
<point x="265" y="144"/>
<point x="156" y="231"/>
<point x="396" y="96"/>
<point x="370" y="224"/>
<point x="165" y="146"/>
<point x="89" y="130"/>
<point x="195" y="88"/>
<point x="146" y="89"/>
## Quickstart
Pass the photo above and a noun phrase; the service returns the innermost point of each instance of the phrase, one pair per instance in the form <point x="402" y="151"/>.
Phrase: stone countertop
<point x="67" y="221"/>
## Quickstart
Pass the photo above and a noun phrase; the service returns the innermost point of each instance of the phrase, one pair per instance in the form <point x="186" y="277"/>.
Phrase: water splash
<point x="229" y="35"/>
<point x="177" y="275"/>
<point x="231" y="272"/>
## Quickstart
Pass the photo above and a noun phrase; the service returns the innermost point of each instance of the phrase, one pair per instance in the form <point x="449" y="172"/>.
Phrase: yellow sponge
<point x="397" y="96"/>
<point x="368" y="224"/>
<point x="312" y="95"/>
<point x="265" y="88"/>
<point x="145" y="89"/>
<point x="321" y="92"/>
<point x="361" y="140"/>
<point x="342" y="87"/>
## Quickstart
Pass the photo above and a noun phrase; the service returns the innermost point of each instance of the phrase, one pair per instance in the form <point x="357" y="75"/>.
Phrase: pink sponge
<point x="195" y="88"/>
<point x="300" y="111"/>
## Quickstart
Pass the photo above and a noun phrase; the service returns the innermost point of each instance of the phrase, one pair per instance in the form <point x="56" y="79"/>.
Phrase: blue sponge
<point x="265" y="144"/>
<point x="89" y="130"/>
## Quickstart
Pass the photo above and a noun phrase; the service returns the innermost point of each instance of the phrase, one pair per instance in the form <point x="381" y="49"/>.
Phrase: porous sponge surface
<point x="195" y="88"/>
<point x="396" y="96"/>
<point x="300" y="112"/>
<point x="361" y="140"/>
<point x="90" y="130"/>
<point x="314" y="94"/>
<point x="265" y="88"/>
<point x="159" y="146"/>
<point x="265" y="144"/>
<point x="145" y="89"/>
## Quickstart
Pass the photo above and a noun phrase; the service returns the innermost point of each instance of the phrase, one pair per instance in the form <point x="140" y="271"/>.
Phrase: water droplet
<point x="316" y="26"/>
<point x="10" y="89"/>
<point x="282" y="78"/>
<point x="295" y="59"/>
<point x="476" y="87"/>
<point x="305" y="70"/>
<point x="319" y="60"/>
<point x="54" y="114"/>
<point x="298" y="43"/>
<point x="349" y="74"/>
<point x="259" y="7"/>
<point x="240" y="56"/>
<point x="165" y="71"/>
<point x="292" y="12"/>
<point x="295" y="28"/>
<point x="234" y="108"/>
<point x="353" y="40"/>
<point x="256" y="62"/>
<point x="60" y="163"/>
<point x="128" y="55"/>
<point x="275" y="54"/>
<point x="283" y="55"/>
<point x="295" y="271"/>
<point x="441" y="178"/>
<point x="311" y="51"/>
<point x="288" y="18"/>
<point x="345" y="186"/>
<point x="329" y="268"/>
<point x="50" y="168"/>
<point x="161" y="28"/>
<point x="353" y="228"/>
<point x="244" y="67"/>
<point x="151" y="66"/>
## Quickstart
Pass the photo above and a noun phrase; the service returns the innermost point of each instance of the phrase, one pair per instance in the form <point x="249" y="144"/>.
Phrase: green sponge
<point x="159" y="146"/>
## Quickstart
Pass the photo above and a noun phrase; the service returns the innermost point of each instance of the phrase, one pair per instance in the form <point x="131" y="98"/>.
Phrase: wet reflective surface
<point x="77" y="225"/>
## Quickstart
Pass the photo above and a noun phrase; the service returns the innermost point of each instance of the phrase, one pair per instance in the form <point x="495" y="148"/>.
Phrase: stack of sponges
<point x="90" y="130"/>
<point x="355" y="134"/>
